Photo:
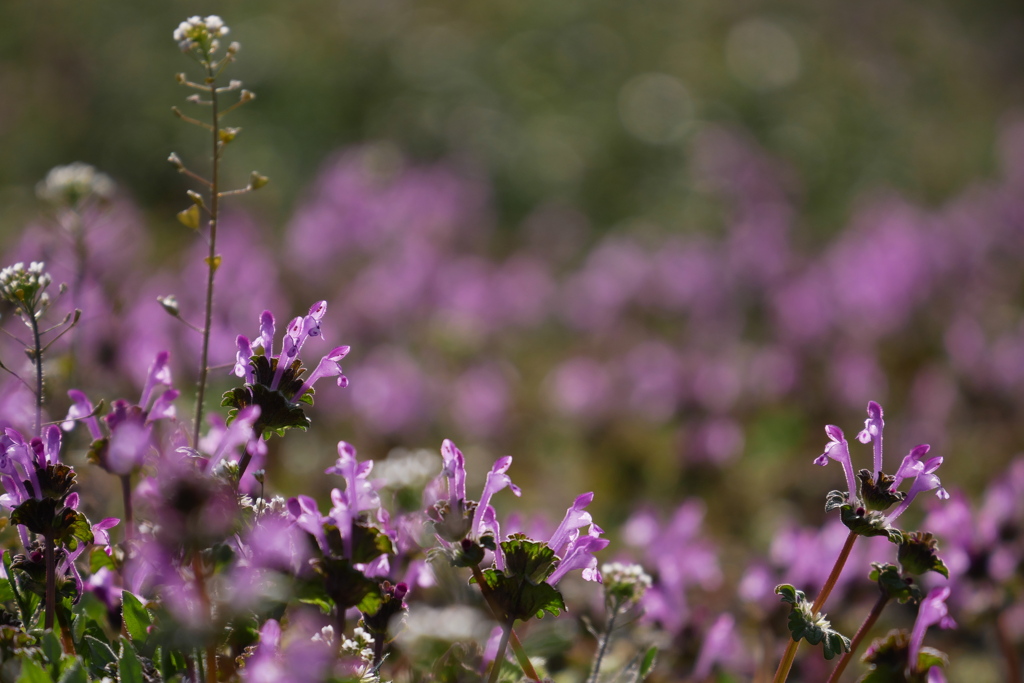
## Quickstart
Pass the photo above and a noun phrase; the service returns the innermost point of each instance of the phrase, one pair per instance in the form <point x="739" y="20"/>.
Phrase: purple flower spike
<point x="266" y="339"/>
<point x="911" y="465"/>
<point x="159" y="374"/>
<point x="575" y="517"/>
<point x="242" y="356"/>
<point x="873" y="432"/>
<point x="329" y="366"/>
<point x="579" y="554"/>
<point x="925" y="480"/>
<point x="237" y="434"/>
<point x="51" y="444"/>
<point x="81" y="407"/>
<point x="455" y="471"/>
<point x="838" y="449"/>
<point x="719" y="646"/>
<point x="933" y="611"/>
<point x="496" y="481"/>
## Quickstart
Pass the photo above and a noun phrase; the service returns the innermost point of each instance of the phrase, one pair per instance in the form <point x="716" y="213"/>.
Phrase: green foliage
<point x="813" y="628"/>
<point x="893" y="585"/>
<point x="519" y="591"/>
<point x="887" y="661"/>
<point x="918" y="554"/>
<point x="877" y="496"/>
<point x="280" y="410"/>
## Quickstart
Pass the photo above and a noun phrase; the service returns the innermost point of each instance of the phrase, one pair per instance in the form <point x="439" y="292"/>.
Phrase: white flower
<point x="73" y="183"/>
<point x="199" y="33"/>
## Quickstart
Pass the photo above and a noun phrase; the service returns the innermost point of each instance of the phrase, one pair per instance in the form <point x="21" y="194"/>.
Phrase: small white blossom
<point x="199" y="33"/>
<point x="407" y="468"/>
<point x="25" y="288"/>
<point x="69" y="185"/>
<point x="627" y="582"/>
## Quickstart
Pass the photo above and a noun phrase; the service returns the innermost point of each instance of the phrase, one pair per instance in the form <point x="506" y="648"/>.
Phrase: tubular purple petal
<point x="575" y="517"/>
<point x="838" y="449"/>
<point x="81" y="407"/>
<point x="242" y="356"/>
<point x="873" y="432"/>
<point x="932" y="611"/>
<point x="159" y="374"/>
<point x="454" y="471"/>
<point x="267" y="333"/>
<point x="496" y="481"/>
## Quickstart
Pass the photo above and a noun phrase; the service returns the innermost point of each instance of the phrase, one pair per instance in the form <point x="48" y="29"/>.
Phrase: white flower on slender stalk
<point x="198" y="33"/>
<point x="74" y="183"/>
<point x="26" y="288"/>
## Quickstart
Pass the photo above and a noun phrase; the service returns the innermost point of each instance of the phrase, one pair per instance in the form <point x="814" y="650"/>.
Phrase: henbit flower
<point x="924" y="480"/>
<point x="579" y="554"/>
<point x="932" y="611"/>
<point x="872" y="432"/>
<point x="496" y="480"/>
<point x="911" y="465"/>
<point x="299" y="330"/>
<point x="358" y="496"/>
<point x="454" y="472"/>
<point x="575" y="517"/>
<point x="839" y="450"/>
<point x="720" y="645"/>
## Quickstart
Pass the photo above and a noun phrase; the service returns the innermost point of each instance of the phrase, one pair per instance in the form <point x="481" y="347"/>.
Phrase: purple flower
<point x="932" y="611"/>
<point x="839" y="450"/>
<point x="925" y="479"/>
<point x="358" y="496"/>
<point x="872" y="433"/>
<point x="484" y="517"/>
<point x="720" y="645"/>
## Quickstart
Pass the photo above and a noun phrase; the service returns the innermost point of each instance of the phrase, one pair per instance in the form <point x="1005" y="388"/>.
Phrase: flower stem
<point x="791" y="647"/>
<point x="605" y="638"/>
<point x="126" y="496"/>
<point x="1008" y="649"/>
<point x="211" y="263"/>
<point x="204" y="598"/>
<point x="49" y="557"/>
<point x="868" y="624"/>
<point x="517" y="646"/>
<point x="37" y="357"/>
<point x="499" y="656"/>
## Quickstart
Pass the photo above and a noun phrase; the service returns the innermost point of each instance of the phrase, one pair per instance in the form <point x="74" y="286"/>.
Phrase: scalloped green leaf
<point x="137" y="619"/>
<point x="129" y="668"/>
<point x="31" y="672"/>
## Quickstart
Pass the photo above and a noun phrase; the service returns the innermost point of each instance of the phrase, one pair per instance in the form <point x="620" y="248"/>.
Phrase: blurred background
<point x="649" y="249"/>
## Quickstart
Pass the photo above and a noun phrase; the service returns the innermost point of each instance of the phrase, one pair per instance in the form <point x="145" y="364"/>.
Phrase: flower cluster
<point x="200" y="34"/>
<point x="26" y="288"/>
<point x="70" y="185"/>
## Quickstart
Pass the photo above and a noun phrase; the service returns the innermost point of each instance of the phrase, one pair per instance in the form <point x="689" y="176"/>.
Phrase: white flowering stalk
<point x="72" y="185"/>
<point x="25" y="289"/>
<point x="624" y="585"/>
<point x="199" y="37"/>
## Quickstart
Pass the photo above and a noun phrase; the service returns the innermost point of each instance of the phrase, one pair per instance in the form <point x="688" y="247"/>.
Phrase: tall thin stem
<point x="866" y="627"/>
<point x="126" y="496"/>
<point x="791" y="647"/>
<point x="211" y="263"/>
<point x="499" y="657"/>
<point x="37" y="348"/>
<point x="49" y="557"/>
<point x="204" y="598"/>
<point x="517" y="646"/>
<point x="1008" y="649"/>
<point x="605" y="639"/>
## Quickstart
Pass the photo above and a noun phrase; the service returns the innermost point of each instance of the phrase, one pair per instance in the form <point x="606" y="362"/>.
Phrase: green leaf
<point x="892" y="584"/>
<point x="129" y="668"/>
<point x="101" y="654"/>
<point x="918" y="554"/>
<point x="26" y="608"/>
<point x="835" y="500"/>
<point x="870" y="523"/>
<point x="51" y="647"/>
<point x="75" y="674"/>
<point x="190" y="217"/>
<point x="32" y="673"/>
<point x="531" y="561"/>
<point x="929" y="657"/>
<point x="647" y="665"/>
<point x="6" y="591"/>
<point x="521" y="599"/>
<point x="812" y="627"/>
<point x="136" y="617"/>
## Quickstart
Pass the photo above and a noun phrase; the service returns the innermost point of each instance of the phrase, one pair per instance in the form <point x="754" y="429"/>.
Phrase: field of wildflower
<point x="380" y="341"/>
